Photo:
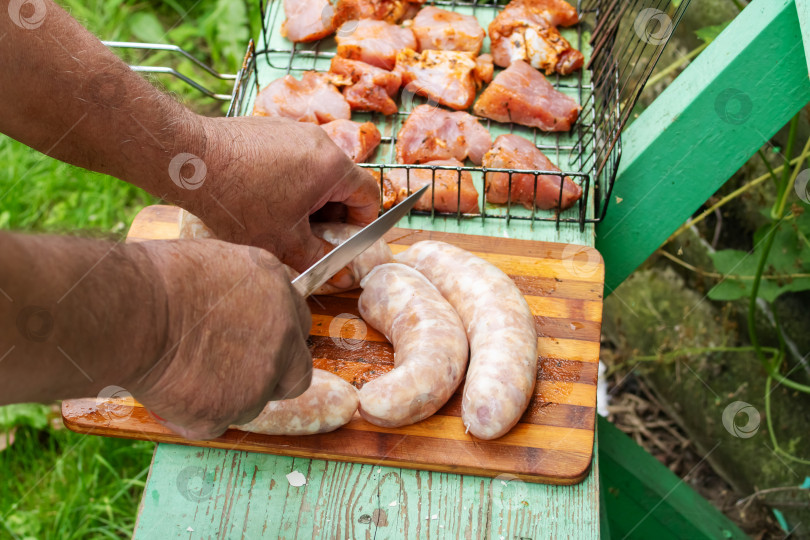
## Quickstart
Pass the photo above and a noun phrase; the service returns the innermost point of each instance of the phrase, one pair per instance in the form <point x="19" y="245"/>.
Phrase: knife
<point x="320" y="272"/>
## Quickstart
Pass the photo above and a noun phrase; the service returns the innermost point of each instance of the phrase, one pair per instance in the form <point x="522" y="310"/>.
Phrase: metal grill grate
<point x="621" y="42"/>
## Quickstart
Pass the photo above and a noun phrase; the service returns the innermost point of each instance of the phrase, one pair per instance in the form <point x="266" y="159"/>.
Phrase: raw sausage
<point x="500" y="327"/>
<point x="430" y="346"/>
<point x="336" y="234"/>
<point x="329" y="402"/>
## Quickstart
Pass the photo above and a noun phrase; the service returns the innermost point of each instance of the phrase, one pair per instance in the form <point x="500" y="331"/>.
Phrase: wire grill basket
<point x="621" y="40"/>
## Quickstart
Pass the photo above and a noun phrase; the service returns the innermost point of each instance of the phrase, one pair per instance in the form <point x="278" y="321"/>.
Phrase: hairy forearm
<point x="76" y="316"/>
<point x="63" y="93"/>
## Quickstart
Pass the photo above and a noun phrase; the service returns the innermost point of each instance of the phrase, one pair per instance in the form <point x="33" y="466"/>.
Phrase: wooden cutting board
<point x="553" y="443"/>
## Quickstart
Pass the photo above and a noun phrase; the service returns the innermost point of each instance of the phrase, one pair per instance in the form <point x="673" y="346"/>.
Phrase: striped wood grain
<point x="553" y="443"/>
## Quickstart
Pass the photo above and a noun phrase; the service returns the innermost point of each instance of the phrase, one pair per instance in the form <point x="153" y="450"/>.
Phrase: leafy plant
<point x="778" y="263"/>
<point x="214" y="31"/>
<point x="787" y="268"/>
<point x="708" y="34"/>
<point x="34" y="415"/>
<point x="146" y="27"/>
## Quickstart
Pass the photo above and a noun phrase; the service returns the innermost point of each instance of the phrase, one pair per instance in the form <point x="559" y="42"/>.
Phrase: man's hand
<point x="236" y="338"/>
<point x="84" y="315"/>
<point x="202" y="332"/>
<point x="265" y="177"/>
<point x="252" y="180"/>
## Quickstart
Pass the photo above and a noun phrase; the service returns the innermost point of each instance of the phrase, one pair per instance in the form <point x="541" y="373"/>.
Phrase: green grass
<point x="55" y="483"/>
<point x="38" y="193"/>
<point x="59" y="484"/>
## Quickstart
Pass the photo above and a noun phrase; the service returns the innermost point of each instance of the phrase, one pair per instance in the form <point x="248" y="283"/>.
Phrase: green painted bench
<point x="675" y="156"/>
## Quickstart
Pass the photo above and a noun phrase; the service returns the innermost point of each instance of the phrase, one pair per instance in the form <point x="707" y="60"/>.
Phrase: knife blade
<point x="320" y="272"/>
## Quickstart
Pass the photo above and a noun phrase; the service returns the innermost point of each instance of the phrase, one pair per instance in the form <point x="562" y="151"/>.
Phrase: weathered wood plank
<point x="232" y="494"/>
<point x="703" y="127"/>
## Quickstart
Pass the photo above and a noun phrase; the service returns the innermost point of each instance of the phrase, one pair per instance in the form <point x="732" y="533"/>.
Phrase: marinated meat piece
<point x="312" y="99"/>
<point x="373" y="42"/>
<point x="431" y="133"/>
<point x="447" y="77"/>
<point x="436" y="28"/>
<point x="537" y="12"/>
<point x="447" y="197"/>
<point x="543" y="48"/>
<point x="356" y="139"/>
<point x="368" y="87"/>
<point x="307" y="20"/>
<point x="484" y="68"/>
<point x="526" y="30"/>
<point x="387" y="192"/>
<point x="515" y="152"/>
<point x="521" y="94"/>
<point x="392" y="11"/>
